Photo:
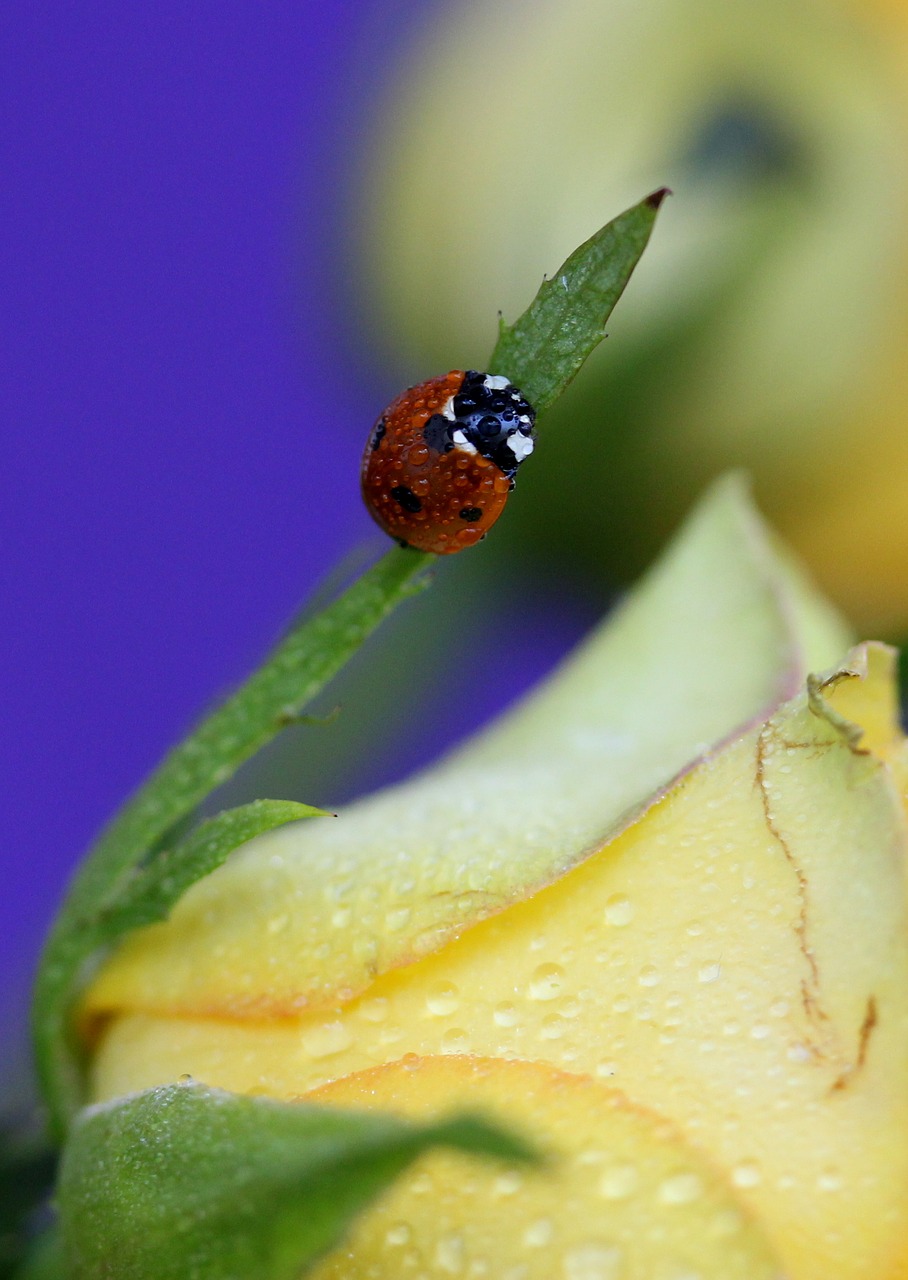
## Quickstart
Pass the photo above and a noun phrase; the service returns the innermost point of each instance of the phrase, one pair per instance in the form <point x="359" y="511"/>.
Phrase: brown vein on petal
<point x="810" y="989"/>
<point x="871" y="1020"/>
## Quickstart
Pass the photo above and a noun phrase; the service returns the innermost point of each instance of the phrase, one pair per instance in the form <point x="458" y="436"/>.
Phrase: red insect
<point x="440" y="461"/>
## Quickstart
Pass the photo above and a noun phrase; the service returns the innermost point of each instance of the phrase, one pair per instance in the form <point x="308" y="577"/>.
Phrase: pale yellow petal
<point x="623" y="1197"/>
<point x="718" y="633"/>
<point x="736" y="959"/>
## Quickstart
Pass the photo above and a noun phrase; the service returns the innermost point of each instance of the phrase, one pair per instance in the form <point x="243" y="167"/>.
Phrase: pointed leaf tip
<point x="654" y="200"/>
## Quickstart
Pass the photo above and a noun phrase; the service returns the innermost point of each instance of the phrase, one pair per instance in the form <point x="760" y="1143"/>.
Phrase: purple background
<point x="183" y="400"/>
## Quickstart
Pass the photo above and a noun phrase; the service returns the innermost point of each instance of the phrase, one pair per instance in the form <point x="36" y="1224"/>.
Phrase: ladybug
<point x="440" y="461"/>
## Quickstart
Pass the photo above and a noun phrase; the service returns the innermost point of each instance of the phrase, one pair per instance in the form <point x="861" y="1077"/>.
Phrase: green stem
<point x="270" y="699"/>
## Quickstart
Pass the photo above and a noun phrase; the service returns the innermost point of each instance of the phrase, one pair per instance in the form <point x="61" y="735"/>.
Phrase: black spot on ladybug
<point x="406" y="498"/>
<point x="470" y="514"/>
<point x="380" y="430"/>
<point x="437" y="433"/>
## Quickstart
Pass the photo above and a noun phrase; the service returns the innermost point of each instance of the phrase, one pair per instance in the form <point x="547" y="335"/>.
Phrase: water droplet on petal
<point x="593" y="1262"/>
<point x="546" y="982"/>
<point x="450" y="1254"/>
<point x="507" y="1184"/>
<point x="397" y="919"/>
<point x="443" y="999"/>
<point x="398" y="1234"/>
<point x="374" y="1010"/>
<point x="619" y="1182"/>
<point x="456" y="1040"/>
<point x="710" y="973"/>
<point x="538" y="1233"/>
<point x="829" y="1181"/>
<point x="553" y="1027"/>
<point x="746" y="1174"/>
<point x="681" y="1188"/>
<point x="325" y="1039"/>
<point x="505" y="1014"/>
<point x="619" y="911"/>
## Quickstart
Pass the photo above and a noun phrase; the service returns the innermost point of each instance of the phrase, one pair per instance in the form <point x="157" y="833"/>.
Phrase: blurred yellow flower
<point x="769" y="322"/>
<point x="656" y="915"/>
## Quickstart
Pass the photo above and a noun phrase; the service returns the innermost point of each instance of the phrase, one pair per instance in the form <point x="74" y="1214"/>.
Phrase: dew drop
<point x="593" y="1262"/>
<point x="539" y="1233"/>
<point x="397" y="919"/>
<point x="398" y="1234"/>
<point x="829" y="1181"/>
<point x="553" y="1027"/>
<point x="710" y="973"/>
<point x="727" y="1222"/>
<point x="326" y="1039"/>
<point x="606" y="1069"/>
<point x="747" y="1174"/>
<point x="649" y="976"/>
<point x="450" y="1254"/>
<point x="759" y="1031"/>
<point x="505" y="1014"/>
<point x="619" y="1182"/>
<point x="619" y="911"/>
<point x="546" y="982"/>
<point x="375" y="1009"/>
<point x="278" y="924"/>
<point x="779" y="1008"/>
<point x="508" y="1183"/>
<point x="341" y="917"/>
<point x="681" y="1188"/>
<point x="455" y="1040"/>
<point x="443" y="999"/>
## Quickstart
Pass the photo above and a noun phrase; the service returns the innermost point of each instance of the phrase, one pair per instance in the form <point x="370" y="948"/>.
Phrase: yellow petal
<point x="736" y="959"/>
<point x="720" y="631"/>
<point x="622" y="1198"/>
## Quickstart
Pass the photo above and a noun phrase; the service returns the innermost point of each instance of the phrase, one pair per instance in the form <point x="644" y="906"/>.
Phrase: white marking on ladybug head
<point x="495" y="382"/>
<point x="520" y="445"/>
<point x="460" y="441"/>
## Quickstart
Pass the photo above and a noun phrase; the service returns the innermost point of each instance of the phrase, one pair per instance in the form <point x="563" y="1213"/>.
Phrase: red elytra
<point x="426" y="478"/>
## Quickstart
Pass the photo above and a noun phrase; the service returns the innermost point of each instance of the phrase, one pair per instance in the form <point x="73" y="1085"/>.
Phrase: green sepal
<point x="184" y="1180"/>
<point x="160" y="883"/>
<point x="543" y="350"/>
<point x="300" y="666"/>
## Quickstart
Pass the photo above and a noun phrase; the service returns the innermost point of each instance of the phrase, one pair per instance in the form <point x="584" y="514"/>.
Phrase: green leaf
<point x="272" y="698"/>
<point x="188" y="1181"/>
<point x="566" y="320"/>
<point x="159" y="884"/>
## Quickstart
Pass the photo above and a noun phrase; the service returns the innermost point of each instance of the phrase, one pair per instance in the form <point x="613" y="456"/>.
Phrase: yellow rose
<point x="656" y="915"/>
<point x="769" y="321"/>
